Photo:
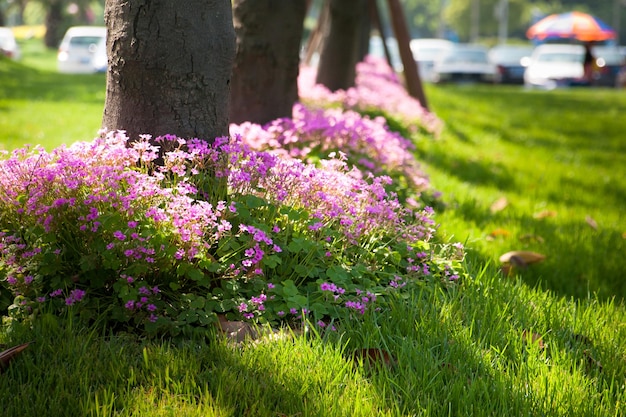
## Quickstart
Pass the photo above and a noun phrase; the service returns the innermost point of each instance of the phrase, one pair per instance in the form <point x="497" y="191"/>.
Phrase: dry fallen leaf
<point x="498" y="232"/>
<point x="520" y="256"/>
<point x="533" y="338"/>
<point x="8" y="355"/>
<point x="499" y="205"/>
<point x="591" y="222"/>
<point x="236" y="331"/>
<point x="591" y="361"/>
<point x="373" y="356"/>
<point x="528" y="237"/>
<point x="544" y="214"/>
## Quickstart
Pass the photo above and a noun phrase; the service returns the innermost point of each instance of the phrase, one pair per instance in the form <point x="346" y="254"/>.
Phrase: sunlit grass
<point x="465" y="351"/>
<point x="39" y="106"/>
<point x="559" y="160"/>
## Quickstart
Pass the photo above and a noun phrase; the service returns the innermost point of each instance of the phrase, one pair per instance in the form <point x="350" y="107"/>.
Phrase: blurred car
<point x="100" y="60"/>
<point x="8" y="45"/>
<point x="78" y="48"/>
<point x="464" y="63"/>
<point x="425" y="53"/>
<point x="610" y="62"/>
<point x="510" y="62"/>
<point x="555" y="65"/>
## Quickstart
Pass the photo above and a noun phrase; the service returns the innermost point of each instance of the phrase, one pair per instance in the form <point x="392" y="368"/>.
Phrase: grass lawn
<point x="558" y="161"/>
<point x="40" y="106"/>
<point x="549" y="340"/>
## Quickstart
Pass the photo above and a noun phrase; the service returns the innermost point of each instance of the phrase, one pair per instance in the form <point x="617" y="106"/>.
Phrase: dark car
<point x="609" y="63"/>
<point x="511" y="62"/>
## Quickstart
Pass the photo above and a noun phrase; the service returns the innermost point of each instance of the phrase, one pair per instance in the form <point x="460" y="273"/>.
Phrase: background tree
<point x="169" y="67"/>
<point x="60" y="14"/>
<point x="265" y="74"/>
<point x="341" y="43"/>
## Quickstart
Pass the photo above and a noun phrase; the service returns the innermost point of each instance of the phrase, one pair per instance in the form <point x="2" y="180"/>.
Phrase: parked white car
<point x="425" y="53"/>
<point x="8" y="45"/>
<point x="464" y="63"/>
<point x="78" y="49"/>
<point x="555" y="65"/>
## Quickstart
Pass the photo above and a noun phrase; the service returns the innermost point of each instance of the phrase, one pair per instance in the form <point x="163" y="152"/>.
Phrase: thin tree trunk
<point x="340" y="53"/>
<point x="265" y="74"/>
<point x="411" y="75"/>
<point x="54" y="19"/>
<point x="170" y="67"/>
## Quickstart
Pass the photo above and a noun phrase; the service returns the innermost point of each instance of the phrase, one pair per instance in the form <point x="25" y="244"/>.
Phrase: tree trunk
<point x="265" y="74"/>
<point x="170" y="67"/>
<point x="340" y="53"/>
<point x="411" y="74"/>
<point x="54" y="20"/>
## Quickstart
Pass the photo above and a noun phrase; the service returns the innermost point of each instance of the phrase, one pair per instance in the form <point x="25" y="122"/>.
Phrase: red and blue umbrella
<point x="573" y="25"/>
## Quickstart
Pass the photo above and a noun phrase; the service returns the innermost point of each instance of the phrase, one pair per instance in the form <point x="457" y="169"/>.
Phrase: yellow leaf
<point x="499" y="205"/>
<point x="500" y="232"/>
<point x="528" y="237"/>
<point x="518" y="256"/>
<point x="591" y="222"/>
<point x="545" y="213"/>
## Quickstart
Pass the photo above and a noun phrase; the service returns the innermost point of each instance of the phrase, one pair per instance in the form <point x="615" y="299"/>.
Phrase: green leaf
<point x="336" y="273"/>
<point x="198" y="303"/>
<point x="253" y="201"/>
<point x="299" y="300"/>
<point x="289" y="288"/>
<point x="194" y="274"/>
<point x="271" y="261"/>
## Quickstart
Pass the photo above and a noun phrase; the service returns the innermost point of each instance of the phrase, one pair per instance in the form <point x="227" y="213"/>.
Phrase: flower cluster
<point x="377" y="88"/>
<point x="297" y="219"/>
<point x="314" y="134"/>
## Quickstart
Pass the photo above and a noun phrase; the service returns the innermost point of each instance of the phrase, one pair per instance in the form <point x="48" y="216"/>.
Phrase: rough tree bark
<point x="170" y="67"/>
<point x="265" y="73"/>
<point x="340" y="53"/>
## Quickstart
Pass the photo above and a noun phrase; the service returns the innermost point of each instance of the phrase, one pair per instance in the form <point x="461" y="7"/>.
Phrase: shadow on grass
<point x="473" y="170"/>
<point x="21" y="82"/>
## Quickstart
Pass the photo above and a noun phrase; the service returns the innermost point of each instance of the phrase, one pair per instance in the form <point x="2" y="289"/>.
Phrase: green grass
<point x="558" y="151"/>
<point x="457" y="352"/>
<point x="39" y="106"/>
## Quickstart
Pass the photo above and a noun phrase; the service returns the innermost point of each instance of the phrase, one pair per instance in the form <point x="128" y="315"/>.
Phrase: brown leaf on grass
<point x="8" y="355"/>
<point x="373" y="356"/>
<point x="532" y="337"/>
<point x="544" y="214"/>
<point x="507" y="270"/>
<point x="591" y="222"/>
<point x="624" y="235"/>
<point x="529" y="237"/>
<point x="498" y="233"/>
<point x="236" y="331"/>
<point x="499" y="205"/>
<point x="521" y="256"/>
<point x="591" y="361"/>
